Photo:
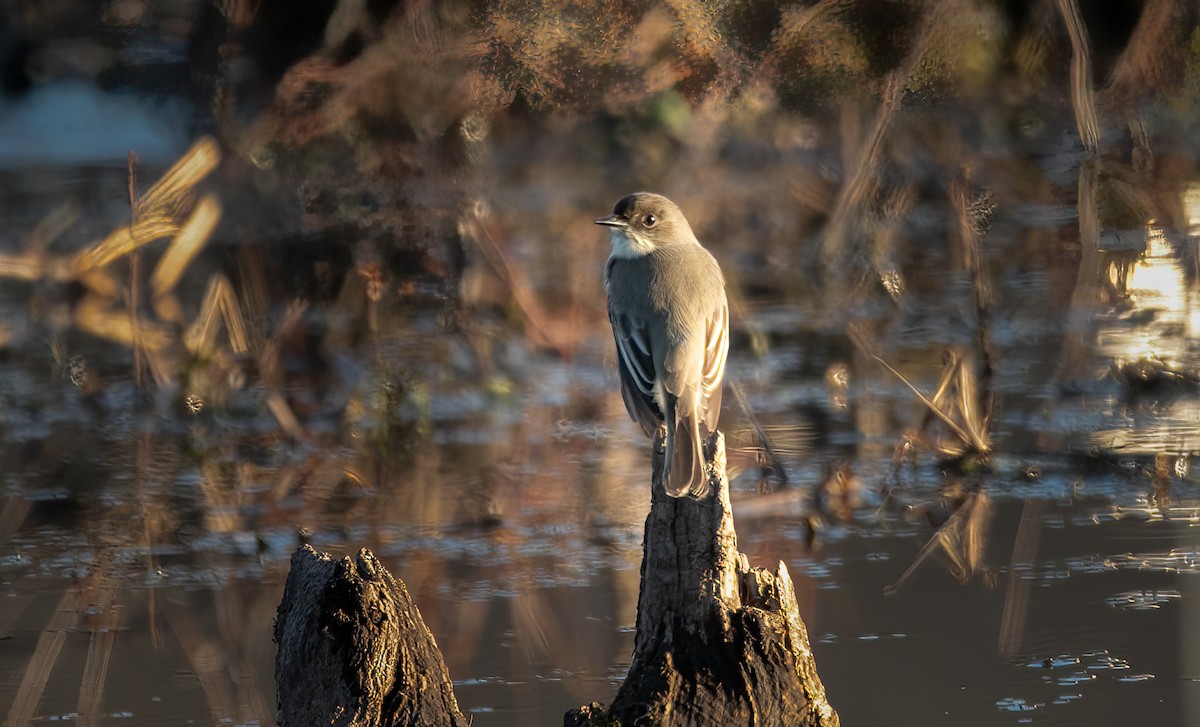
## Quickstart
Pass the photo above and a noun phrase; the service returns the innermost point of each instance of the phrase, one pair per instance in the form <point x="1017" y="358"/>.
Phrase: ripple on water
<point x="1075" y="679"/>
<point x="1147" y="599"/>
<point x="1083" y="670"/>
<point x="1054" y="662"/>
<point x="1015" y="704"/>
<point x="1171" y="561"/>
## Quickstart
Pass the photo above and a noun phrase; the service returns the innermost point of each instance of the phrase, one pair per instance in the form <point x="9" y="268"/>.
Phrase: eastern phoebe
<point x="667" y="306"/>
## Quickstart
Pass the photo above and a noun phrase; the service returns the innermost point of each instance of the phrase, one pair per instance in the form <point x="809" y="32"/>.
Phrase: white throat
<point x="627" y="245"/>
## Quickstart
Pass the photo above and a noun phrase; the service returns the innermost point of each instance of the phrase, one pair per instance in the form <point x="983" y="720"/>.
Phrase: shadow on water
<point x="363" y="308"/>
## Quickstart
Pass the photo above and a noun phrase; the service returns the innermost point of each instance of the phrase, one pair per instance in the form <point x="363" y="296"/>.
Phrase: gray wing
<point x="637" y="371"/>
<point x="716" y="350"/>
<point x="695" y="368"/>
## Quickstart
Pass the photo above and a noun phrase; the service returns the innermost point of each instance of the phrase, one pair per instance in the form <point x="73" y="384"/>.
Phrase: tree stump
<point x="353" y="649"/>
<point x="717" y="643"/>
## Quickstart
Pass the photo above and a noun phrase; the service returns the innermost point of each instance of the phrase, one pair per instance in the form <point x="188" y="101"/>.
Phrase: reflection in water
<point x="400" y="343"/>
<point x="1151" y="345"/>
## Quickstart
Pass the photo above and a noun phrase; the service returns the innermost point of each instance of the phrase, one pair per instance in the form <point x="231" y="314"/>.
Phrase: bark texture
<point x="717" y="643"/>
<point x="353" y="649"/>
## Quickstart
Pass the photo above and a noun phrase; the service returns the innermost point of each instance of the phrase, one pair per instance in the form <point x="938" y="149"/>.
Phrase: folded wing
<point x="637" y="371"/>
<point x="716" y="350"/>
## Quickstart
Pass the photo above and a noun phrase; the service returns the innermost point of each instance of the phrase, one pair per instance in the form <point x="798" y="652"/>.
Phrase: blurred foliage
<point x="399" y="157"/>
<point x="406" y="195"/>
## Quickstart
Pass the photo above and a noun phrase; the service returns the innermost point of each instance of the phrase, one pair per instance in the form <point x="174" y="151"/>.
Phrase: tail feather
<point x="685" y="473"/>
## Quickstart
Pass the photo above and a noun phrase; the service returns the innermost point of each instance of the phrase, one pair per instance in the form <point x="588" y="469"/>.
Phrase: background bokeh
<point x="347" y="291"/>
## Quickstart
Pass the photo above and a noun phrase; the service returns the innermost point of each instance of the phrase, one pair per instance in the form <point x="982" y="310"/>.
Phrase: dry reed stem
<point x="33" y="263"/>
<point x="883" y="253"/>
<point x="966" y="434"/>
<point x="207" y="661"/>
<point x="135" y="274"/>
<point x="972" y="220"/>
<point x="97" y="316"/>
<point x="1016" y="597"/>
<point x="162" y="366"/>
<point x="477" y="228"/>
<point x="236" y="635"/>
<point x="1081" y="322"/>
<point x="186" y="246"/>
<point x="153" y="216"/>
<point x="103" y="282"/>
<point x="95" y="669"/>
<point x="969" y="220"/>
<point x="252" y="290"/>
<point x="142" y="474"/>
<point x="220" y="304"/>
<point x="122" y="241"/>
<point x="167" y="309"/>
<point x="1089" y="212"/>
<point x="1083" y="95"/>
<point x="974" y="404"/>
<point x="35" y="266"/>
<point x="270" y="371"/>
<point x="45" y="655"/>
<point x="974" y="375"/>
<point x="182" y="177"/>
<point x="972" y="407"/>
<point x="970" y="535"/>
<point x="942" y="391"/>
<point x="962" y="538"/>
<point x="862" y="181"/>
<point x="51" y="227"/>
<point x="104" y="626"/>
<point x="221" y="501"/>
<point x="157" y="211"/>
<point x="283" y="414"/>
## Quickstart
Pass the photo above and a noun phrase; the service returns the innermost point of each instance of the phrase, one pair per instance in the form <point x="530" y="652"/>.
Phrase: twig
<point x="479" y="232"/>
<point x="963" y="434"/>
<point x="773" y="462"/>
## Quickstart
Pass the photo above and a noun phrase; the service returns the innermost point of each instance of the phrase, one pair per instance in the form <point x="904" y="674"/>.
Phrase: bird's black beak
<point x="613" y="221"/>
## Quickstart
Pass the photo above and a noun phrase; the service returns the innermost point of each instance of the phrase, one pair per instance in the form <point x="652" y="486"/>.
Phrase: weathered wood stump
<point x="353" y="649"/>
<point x="717" y="643"/>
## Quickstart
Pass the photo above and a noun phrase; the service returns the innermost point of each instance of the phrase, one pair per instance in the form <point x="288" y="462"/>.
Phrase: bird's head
<point x="642" y="222"/>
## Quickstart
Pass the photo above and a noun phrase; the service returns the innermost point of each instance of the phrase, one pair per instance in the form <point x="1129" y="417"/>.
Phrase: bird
<point x="670" y="320"/>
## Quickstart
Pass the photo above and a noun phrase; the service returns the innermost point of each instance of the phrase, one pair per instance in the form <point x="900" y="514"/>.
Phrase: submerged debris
<point x="1151" y="377"/>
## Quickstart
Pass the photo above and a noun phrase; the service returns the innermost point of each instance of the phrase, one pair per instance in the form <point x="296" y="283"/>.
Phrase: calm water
<point x="429" y="373"/>
<point x="518" y="530"/>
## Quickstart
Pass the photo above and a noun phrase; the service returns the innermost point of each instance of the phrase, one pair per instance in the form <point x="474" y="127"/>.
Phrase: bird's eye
<point x="649" y="220"/>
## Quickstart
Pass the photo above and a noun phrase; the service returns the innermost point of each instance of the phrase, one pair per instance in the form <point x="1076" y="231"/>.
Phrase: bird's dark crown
<point x="640" y="203"/>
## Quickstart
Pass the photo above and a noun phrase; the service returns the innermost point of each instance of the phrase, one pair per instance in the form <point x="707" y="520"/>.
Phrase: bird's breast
<point x="680" y="286"/>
